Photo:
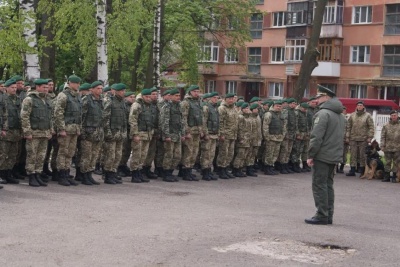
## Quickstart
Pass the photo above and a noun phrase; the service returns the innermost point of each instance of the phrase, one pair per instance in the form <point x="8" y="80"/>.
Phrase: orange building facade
<point x="359" y="51"/>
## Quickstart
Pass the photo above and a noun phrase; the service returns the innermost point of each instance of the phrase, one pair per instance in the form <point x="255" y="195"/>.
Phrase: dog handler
<point x="325" y="151"/>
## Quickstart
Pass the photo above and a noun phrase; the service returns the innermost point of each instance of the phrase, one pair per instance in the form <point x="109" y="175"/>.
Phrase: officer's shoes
<point x="39" y="180"/>
<point x="317" y="221"/>
<point x="32" y="180"/>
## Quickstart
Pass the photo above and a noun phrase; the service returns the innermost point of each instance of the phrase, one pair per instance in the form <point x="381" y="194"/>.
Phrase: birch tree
<point x="102" y="58"/>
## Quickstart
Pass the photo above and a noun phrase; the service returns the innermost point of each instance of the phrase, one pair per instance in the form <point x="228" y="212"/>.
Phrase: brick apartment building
<point x="359" y="51"/>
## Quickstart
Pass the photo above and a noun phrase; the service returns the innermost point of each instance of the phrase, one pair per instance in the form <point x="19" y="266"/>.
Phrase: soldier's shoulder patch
<point x="316" y="120"/>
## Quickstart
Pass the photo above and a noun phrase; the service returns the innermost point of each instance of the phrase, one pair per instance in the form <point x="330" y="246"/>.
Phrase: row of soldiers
<point x="104" y="126"/>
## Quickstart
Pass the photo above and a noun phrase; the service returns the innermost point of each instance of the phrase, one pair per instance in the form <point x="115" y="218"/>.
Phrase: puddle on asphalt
<point x="292" y="250"/>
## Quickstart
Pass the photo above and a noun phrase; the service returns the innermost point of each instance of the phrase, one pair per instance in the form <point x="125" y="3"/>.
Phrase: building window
<point x="295" y="49"/>
<point x="362" y="14"/>
<point x="358" y="91"/>
<point x="231" y="55"/>
<point x="260" y="2"/>
<point x="256" y="23"/>
<point x="333" y="13"/>
<point x="298" y="13"/>
<point x="275" y="90"/>
<point x="277" y="54"/>
<point x="331" y="86"/>
<point x="254" y="60"/>
<point x="210" y="86"/>
<point x="230" y="87"/>
<point x="278" y="19"/>
<point x="210" y="52"/>
<point x="360" y="54"/>
<point x="392" y="23"/>
<point x="329" y="49"/>
<point x="391" y="61"/>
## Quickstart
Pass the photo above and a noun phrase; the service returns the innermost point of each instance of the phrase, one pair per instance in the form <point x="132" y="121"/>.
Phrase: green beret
<point x="96" y="83"/>
<point x="153" y="89"/>
<point x="254" y="99"/>
<point x="85" y="87"/>
<point x="291" y="100"/>
<point x="312" y="98"/>
<point x="174" y="91"/>
<point x="205" y="96"/>
<point x="27" y="84"/>
<point x="240" y="98"/>
<point x="146" y="91"/>
<point x="166" y="92"/>
<point x="1" y="82"/>
<point x="266" y="102"/>
<point x="304" y="105"/>
<point x="106" y="89"/>
<point x="321" y="91"/>
<point x="128" y="93"/>
<point x="212" y="94"/>
<point x="17" y="78"/>
<point x="254" y="106"/>
<point x="118" y="86"/>
<point x="229" y="95"/>
<point x="10" y="82"/>
<point x="40" y="81"/>
<point x="239" y="104"/>
<point x="192" y="87"/>
<point x="244" y="105"/>
<point x="278" y="102"/>
<point x="74" y="79"/>
<point x="285" y="100"/>
<point x="60" y="87"/>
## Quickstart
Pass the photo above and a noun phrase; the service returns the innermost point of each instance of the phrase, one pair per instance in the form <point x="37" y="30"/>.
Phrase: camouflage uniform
<point x="52" y="145"/>
<point x="126" y="147"/>
<point x="67" y="117"/>
<point x="36" y="121"/>
<point x="172" y="126"/>
<point x="390" y="137"/>
<point x="152" y="150"/>
<point x="256" y="138"/>
<point x="3" y="120"/>
<point x="302" y="136"/>
<point x="211" y="128"/>
<point x="359" y="128"/>
<point x="274" y="131"/>
<point x="228" y="128"/>
<point x="287" y="143"/>
<point x="243" y="142"/>
<point x="158" y="160"/>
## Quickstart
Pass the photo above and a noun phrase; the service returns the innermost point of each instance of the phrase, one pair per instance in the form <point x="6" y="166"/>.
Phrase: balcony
<point x="331" y="31"/>
<point x="327" y="69"/>
<point x="208" y="68"/>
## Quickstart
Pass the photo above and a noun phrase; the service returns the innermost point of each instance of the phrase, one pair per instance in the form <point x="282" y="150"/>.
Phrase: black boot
<point x="230" y="175"/>
<point x="10" y="179"/>
<point x="108" y="179"/>
<point x="159" y="171"/>
<point x="358" y="168"/>
<point x="32" y="180"/>
<point x="181" y="172"/>
<point x="98" y="170"/>
<point x="283" y="169"/>
<point x="2" y="177"/>
<point x="147" y="171"/>
<point x="44" y="177"/>
<point x="55" y="176"/>
<point x="116" y="178"/>
<point x="46" y="169"/>
<point x="205" y="176"/>
<point x="212" y="175"/>
<point x="186" y="175"/>
<point x="85" y="179"/>
<point x="170" y="172"/>
<point x="91" y="179"/>
<point x="222" y="173"/>
<point x="394" y="178"/>
<point x="352" y="172"/>
<point x="135" y="177"/>
<point x="340" y="169"/>
<point x="62" y="178"/>
<point x="142" y="178"/>
<point x="250" y="172"/>
<point x="192" y="175"/>
<point x="121" y="171"/>
<point x="288" y="169"/>
<point x="39" y="180"/>
<point x="237" y="172"/>
<point x="386" y="177"/>
<point x="362" y="169"/>
<point x="16" y="173"/>
<point x="167" y="176"/>
<point x="78" y="175"/>
<point x="268" y="170"/>
<point x="296" y="167"/>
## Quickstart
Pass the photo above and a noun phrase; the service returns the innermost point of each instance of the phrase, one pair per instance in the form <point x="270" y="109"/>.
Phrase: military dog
<point x="373" y="164"/>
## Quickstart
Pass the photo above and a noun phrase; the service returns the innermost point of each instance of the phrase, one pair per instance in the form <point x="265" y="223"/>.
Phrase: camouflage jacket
<point x="266" y="126"/>
<point x="206" y="109"/>
<point x="94" y="134"/>
<point x="360" y="126"/>
<point x="244" y="131"/>
<point x="390" y="137"/>
<point x="171" y="122"/>
<point x="185" y="108"/>
<point x="228" y="121"/>
<point x="256" y="132"/>
<point x="112" y="134"/>
<point x="3" y="112"/>
<point x="13" y="104"/>
<point x="59" y="113"/>
<point x="136" y="110"/>
<point x="303" y="126"/>
<point x="26" y="114"/>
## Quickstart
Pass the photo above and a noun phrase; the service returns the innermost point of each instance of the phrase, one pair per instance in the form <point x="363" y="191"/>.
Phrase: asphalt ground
<point x="237" y="222"/>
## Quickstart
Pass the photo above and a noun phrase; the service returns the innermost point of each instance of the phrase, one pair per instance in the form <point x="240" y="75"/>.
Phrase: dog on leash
<point x="374" y="168"/>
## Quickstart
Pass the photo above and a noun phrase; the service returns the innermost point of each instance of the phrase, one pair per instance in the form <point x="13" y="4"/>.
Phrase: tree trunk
<point x="102" y="59"/>
<point x="309" y="62"/>
<point x="136" y="59"/>
<point x="156" y="45"/>
<point x="47" y="59"/>
<point x="115" y="73"/>
<point x="31" y="58"/>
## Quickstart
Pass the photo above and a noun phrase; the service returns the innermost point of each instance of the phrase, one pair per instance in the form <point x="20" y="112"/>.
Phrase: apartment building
<point x="359" y="51"/>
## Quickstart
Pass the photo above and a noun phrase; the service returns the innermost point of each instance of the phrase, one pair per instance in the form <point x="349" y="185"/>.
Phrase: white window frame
<point x="357" y="53"/>
<point x="231" y="87"/>
<point x="256" y="25"/>
<point x="358" y="91"/>
<point x="254" y="60"/>
<point x="295" y="49"/>
<point x="231" y="55"/>
<point x="210" y="86"/>
<point x="364" y="17"/>
<point x="278" y="19"/>
<point x="275" y="51"/>
<point x="210" y="52"/>
<point x="275" y="90"/>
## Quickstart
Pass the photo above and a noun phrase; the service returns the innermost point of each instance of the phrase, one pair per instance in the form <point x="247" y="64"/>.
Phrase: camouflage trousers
<point x="298" y="150"/>
<point x="190" y="149"/>
<point x="66" y="150"/>
<point x="158" y="160"/>
<point x="54" y="152"/>
<point x="357" y="153"/>
<point x="271" y="152"/>
<point x="21" y="158"/>
<point x="126" y="152"/>
<point x="78" y="153"/>
<point x="9" y="154"/>
<point x="345" y="151"/>
<point x="89" y="153"/>
<point x="226" y="150"/>
<point x="304" y="152"/>
<point x="240" y="157"/>
<point x="151" y="152"/>
<point x="392" y="161"/>
<point x="260" y="152"/>
<point x="207" y="152"/>
<point x="285" y="150"/>
<point x="253" y="150"/>
<point x="172" y="155"/>
<point x="139" y="152"/>
<point x="35" y="153"/>
<point x="112" y="152"/>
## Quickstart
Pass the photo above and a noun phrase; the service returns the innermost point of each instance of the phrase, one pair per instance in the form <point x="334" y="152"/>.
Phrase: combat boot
<point x="181" y="172"/>
<point x="2" y="177"/>
<point x="205" y="175"/>
<point x="230" y="175"/>
<point x="352" y="172"/>
<point x="222" y="173"/>
<point x="167" y="177"/>
<point x="85" y="179"/>
<point x="386" y="177"/>
<point x="142" y="178"/>
<point x="9" y="178"/>
<point x="211" y="175"/>
<point x="358" y="168"/>
<point x="306" y="167"/>
<point x="341" y="168"/>
<point x="108" y="178"/>
<point x="39" y="180"/>
<point x="46" y="169"/>
<point x="91" y="179"/>
<point x="240" y="173"/>
<point x="159" y="171"/>
<point x="186" y="175"/>
<point x="250" y="172"/>
<point x="98" y="169"/>
<point x="171" y="174"/>
<point x="55" y="176"/>
<point x="283" y="169"/>
<point x="16" y="173"/>
<point x="288" y="169"/>
<point x="62" y="178"/>
<point x="394" y="178"/>
<point x="135" y="177"/>
<point x="274" y="171"/>
<point x="32" y="180"/>
<point x="44" y="177"/>
<point x="362" y="169"/>
<point x="268" y="170"/>
<point x="147" y="171"/>
<point x="116" y="178"/>
<point x="296" y="167"/>
<point x="78" y="175"/>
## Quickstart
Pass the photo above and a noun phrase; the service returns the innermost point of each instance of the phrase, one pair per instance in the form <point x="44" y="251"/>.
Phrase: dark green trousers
<point x="322" y="187"/>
